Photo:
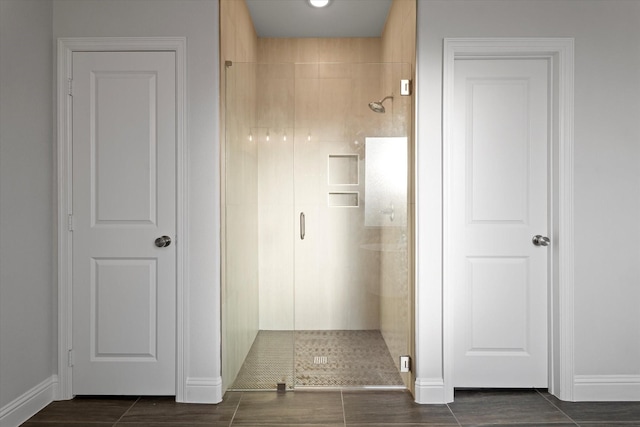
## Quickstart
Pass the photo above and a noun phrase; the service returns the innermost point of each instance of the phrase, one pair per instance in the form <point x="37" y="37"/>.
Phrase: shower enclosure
<point x="317" y="227"/>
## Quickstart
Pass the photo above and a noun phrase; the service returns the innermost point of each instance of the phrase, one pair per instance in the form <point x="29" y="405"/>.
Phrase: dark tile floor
<point x="339" y="408"/>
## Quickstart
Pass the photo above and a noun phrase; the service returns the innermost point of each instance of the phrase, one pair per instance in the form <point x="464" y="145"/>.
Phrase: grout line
<point x="454" y="415"/>
<point x="127" y="411"/>
<point x="556" y="406"/>
<point x="236" y="410"/>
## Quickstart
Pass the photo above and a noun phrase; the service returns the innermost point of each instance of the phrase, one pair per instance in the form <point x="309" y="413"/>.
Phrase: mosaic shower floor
<point x="322" y="359"/>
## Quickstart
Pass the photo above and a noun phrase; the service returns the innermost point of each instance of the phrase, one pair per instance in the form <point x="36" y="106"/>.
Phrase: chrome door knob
<point x="163" y="241"/>
<point x="539" y="240"/>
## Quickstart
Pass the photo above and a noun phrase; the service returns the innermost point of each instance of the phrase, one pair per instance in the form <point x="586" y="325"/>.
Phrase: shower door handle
<point x="302" y="226"/>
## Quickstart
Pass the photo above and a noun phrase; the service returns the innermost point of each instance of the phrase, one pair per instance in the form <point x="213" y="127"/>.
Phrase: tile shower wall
<point x="336" y="283"/>
<point x="274" y="139"/>
<point x="313" y="91"/>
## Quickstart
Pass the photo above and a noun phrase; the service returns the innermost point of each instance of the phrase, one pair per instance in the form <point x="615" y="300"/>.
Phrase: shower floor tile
<point x="269" y="362"/>
<point x="322" y="359"/>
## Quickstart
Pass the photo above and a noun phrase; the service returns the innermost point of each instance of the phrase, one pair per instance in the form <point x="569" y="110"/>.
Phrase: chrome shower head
<point x="377" y="107"/>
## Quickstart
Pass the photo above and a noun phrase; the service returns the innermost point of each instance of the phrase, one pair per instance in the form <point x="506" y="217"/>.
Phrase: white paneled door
<point x="124" y="202"/>
<point x="498" y="203"/>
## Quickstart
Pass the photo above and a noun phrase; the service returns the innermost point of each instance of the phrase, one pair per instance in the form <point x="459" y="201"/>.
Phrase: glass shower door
<point x="258" y="341"/>
<point x="316" y="286"/>
<point x="352" y="284"/>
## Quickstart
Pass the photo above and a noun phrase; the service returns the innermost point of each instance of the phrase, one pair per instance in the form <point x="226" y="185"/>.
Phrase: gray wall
<point x="198" y="21"/>
<point x="607" y="161"/>
<point x="607" y="172"/>
<point x="27" y="281"/>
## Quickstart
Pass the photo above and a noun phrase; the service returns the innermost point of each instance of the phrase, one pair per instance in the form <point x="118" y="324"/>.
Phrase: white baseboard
<point x="589" y="388"/>
<point x="24" y="407"/>
<point x="204" y="390"/>
<point x="430" y="391"/>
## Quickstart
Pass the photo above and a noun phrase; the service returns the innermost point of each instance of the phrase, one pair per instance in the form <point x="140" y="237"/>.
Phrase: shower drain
<point x="320" y="360"/>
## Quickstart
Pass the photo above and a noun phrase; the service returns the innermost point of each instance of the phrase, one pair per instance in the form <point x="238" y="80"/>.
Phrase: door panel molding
<point x="559" y="52"/>
<point x="65" y="49"/>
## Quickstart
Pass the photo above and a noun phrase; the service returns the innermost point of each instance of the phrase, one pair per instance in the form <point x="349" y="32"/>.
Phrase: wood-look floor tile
<point x="425" y="424"/>
<point x="392" y="407"/>
<point x="291" y="408"/>
<point x="599" y="412"/>
<point x="85" y="410"/>
<point x="289" y="425"/>
<point x="609" y="424"/>
<point x="173" y="424"/>
<point x="325" y="409"/>
<point x="152" y="410"/>
<point x="64" y="424"/>
<point x="473" y="407"/>
<point x="516" y="424"/>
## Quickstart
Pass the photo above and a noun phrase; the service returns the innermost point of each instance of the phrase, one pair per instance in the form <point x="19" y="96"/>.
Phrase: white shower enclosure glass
<point x="316" y="225"/>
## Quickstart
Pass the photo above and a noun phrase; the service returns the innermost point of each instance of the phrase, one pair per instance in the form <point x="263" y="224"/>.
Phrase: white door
<point x="124" y="179"/>
<point x="498" y="202"/>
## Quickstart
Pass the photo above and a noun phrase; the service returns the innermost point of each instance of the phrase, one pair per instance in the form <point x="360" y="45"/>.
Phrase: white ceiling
<point x="296" y="18"/>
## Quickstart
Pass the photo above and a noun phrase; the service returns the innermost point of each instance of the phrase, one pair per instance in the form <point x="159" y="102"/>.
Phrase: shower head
<point x="377" y="107"/>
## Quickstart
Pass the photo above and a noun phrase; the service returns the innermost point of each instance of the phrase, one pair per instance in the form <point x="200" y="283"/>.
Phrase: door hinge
<point x="70" y="222"/>
<point x="70" y="358"/>
<point x="405" y="87"/>
<point x="70" y="86"/>
<point x="405" y="363"/>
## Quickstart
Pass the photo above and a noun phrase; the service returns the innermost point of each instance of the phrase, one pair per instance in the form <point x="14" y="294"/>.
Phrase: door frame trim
<point x="65" y="49"/>
<point x="560" y="53"/>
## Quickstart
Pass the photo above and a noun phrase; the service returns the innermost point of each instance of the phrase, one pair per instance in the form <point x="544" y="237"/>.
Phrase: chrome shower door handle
<point x="302" y="226"/>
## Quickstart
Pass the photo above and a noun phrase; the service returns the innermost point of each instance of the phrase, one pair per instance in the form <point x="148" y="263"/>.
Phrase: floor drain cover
<point x="320" y="360"/>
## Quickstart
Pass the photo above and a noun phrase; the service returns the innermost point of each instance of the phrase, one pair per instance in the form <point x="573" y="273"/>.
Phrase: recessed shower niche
<point x="343" y="169"/>
<point x="343" y="199"/>
<point x="343" y="172"/>
<point x="311" y="295"/>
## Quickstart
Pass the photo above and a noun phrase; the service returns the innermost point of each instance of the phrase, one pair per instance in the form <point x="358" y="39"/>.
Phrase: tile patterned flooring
<point x="340" y="408"/>
<point x="353" y="359"/>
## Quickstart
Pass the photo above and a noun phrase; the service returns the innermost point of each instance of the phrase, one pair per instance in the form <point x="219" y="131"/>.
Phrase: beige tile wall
<point x="318" y="50"/>
<point x="275" y="118"/>
<point x="317" y="88"/>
